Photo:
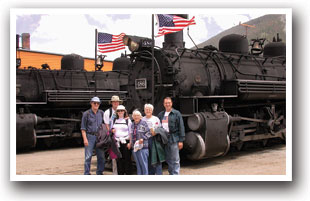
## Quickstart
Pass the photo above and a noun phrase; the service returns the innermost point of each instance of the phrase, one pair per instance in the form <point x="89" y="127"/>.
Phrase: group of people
<point x="150" y="140"/>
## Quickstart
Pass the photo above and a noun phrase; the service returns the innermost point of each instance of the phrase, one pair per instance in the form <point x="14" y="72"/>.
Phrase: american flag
<point x="172" y="23"/>
<point x="110" y="43"/>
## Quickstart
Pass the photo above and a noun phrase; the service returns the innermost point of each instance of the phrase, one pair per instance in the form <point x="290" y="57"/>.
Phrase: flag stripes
<point x="172" y="23"/>
<point x="110" y="43"/>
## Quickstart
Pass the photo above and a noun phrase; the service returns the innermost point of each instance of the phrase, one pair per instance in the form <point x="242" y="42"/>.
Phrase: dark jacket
<point x="159" y="141"/>
<point x="106" y="141"/>
<point x="176" y="125"/>
<point x="161" y="135"/>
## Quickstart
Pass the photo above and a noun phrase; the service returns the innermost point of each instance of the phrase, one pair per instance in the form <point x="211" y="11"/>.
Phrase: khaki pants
<point x="114" y="166"/>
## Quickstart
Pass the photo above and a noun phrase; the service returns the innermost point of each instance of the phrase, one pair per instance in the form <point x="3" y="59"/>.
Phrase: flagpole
<point x="153" y="59"/>
<point x="96" y="34"/>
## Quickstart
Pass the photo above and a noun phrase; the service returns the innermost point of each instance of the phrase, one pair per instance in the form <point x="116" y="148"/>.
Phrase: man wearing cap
<point x="91" y="121"/>
<point x="109" y="116"/>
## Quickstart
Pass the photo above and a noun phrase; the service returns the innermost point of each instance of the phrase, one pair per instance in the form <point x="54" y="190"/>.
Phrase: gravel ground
<point x="254" y="161"/>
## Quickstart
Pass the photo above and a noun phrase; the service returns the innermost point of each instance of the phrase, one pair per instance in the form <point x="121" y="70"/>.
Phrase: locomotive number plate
<point x="141" y="83"/>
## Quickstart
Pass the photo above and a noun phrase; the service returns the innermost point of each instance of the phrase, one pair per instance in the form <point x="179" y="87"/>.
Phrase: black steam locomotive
<point x="227" y="96"/>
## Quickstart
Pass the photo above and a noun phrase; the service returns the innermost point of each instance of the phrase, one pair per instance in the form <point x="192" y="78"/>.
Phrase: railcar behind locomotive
<point x="50" y="102"/>
<point x="227" y="96"/>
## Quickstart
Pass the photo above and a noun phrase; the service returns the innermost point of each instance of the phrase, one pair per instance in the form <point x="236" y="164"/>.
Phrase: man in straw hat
<point x="109" y="116"/>
<point x="91" y="121"/>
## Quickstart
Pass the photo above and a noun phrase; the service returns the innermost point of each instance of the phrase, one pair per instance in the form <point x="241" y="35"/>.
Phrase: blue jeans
<point x="173" y="158"/>
<point x="88" y="155"/>
<point x="141" y="158"/>
<point x="155" y="170"/>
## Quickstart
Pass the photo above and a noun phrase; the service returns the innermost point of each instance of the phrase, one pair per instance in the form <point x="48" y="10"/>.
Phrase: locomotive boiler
<point x="227" y="96"/>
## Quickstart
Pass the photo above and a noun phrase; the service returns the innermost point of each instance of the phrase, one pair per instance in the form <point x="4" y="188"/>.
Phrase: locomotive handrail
<point x="249" y="73"/>
<point x="205" y="64"/>
<point x="261" y="81"/>
<point x="224" y="96"/>
<point x="221" y="69"/>
<point x="90" y="91"/>
<point x="57" y="85"/>
<point x="31" y="103"/>
<point x="236" y="54"/>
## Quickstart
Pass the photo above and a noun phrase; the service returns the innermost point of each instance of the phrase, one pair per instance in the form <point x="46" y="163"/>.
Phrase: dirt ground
<point x="254" y="161"/>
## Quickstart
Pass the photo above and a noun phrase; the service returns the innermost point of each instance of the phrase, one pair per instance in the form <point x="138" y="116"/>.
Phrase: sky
<point x="75" y="33"/>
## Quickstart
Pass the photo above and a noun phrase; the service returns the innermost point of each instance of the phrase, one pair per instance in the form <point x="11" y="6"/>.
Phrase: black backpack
<point x="120" y="123"/>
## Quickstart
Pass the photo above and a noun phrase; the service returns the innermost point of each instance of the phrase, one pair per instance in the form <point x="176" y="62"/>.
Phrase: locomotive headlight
<point x="133" y="46"/>
<point x="136" y="43"/>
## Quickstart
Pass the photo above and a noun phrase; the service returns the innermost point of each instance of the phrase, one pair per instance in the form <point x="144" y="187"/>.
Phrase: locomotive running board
<point x="255" y="89"/>
<point x="80" y="96"/>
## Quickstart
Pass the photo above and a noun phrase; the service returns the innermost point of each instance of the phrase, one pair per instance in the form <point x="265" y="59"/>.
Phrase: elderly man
<point x="91" y="121"/>
<point x="172" y="121"/>
<point x="109" y="116"/>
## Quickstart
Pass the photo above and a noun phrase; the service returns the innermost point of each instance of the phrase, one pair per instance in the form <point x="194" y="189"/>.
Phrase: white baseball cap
<point x="121" y="107"/>
<point x="95" y="99"/>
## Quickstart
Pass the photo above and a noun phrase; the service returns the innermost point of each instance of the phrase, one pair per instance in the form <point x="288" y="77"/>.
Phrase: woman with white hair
<point x="152" y="122"/>
<point x="140" y="133"/>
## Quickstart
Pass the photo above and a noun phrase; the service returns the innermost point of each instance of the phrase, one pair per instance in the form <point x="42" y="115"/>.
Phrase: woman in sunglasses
<point x="120" y="128"/>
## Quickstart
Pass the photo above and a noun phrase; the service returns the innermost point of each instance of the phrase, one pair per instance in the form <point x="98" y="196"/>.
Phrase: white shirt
<point x="106" y="116"/>
<point x="165" y="121"/>
<point x="121" y="128"/>
<point x="152" y="122"/>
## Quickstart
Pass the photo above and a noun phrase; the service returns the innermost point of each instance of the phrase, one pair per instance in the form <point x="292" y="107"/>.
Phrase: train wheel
<point x="228" y="146"/>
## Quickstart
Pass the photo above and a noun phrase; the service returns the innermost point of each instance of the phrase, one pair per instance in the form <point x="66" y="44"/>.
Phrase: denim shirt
<point x="91" y="121"/>
<point x="142" y="132"/>
<point x="176" y="125"/>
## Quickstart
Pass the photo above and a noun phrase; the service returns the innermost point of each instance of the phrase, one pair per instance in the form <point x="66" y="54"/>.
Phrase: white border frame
<point x="193" y="11"/>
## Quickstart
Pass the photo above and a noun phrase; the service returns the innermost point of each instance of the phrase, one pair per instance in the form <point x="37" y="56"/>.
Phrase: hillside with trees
<point x="266" y="26"/>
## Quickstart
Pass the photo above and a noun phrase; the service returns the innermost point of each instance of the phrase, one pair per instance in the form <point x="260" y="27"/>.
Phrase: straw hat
<point x="115" y="99"/>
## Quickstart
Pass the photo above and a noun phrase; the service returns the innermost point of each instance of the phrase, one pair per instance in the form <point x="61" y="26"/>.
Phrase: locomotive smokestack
<point x="175" y="40"/>
<point x="26" y="41"/>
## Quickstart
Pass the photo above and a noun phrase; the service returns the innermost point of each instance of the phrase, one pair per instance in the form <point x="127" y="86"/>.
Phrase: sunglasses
<point x="96" y="103"/>
<point x="120" y="110"/>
